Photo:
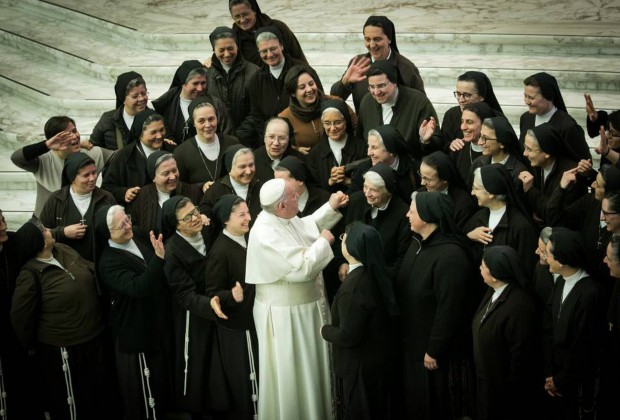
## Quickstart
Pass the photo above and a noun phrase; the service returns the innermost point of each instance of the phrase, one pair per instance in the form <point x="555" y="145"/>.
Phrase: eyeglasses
<point x="341" y="237"/>
<point x="188" y="217"/>
<point x="240" y="16"/>
<point x="484" y="139"/>
<point x="337" y="123"/>
<point x="126" y="222"/>
<point x="139" y="95"/>
<point x="380" y="86"/>
<point x="530" y="150"/>
<point x="465" y="95"/>
<point x="427" y="179"/>
<point x="269" y="50"/>
<point x="608" y="213"/>
<point x="279" y="139"/>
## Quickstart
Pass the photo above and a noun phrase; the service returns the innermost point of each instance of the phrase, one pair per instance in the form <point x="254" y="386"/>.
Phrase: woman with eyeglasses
<point x="113" y="131"/>
<point x="126" y="173"/>
<point x="464" y="151"/>
<point x="502" y="219"/>
<point x="500" y="144"/>
<point x="549" y="158"/>
<point x="386" y="144"/>
<point x="162" y="169"/>
<point x="471" y="87"/>
<point x="340" y="147"/>
<point x="438" y="173"/>
<point x="132" y="272"/>
<point x="304" y="109"/>
<point x="187" y="242"/>
<point x="380" y="41"/>
<point x="362" y="331"/>
<point x="247" y="18"/>
<point x="277" y="144"/>
<point x="57" y="316"/>
<point x="507" y="339"/>
<point x="225" y="280"/>
<point x="575" y="331"/>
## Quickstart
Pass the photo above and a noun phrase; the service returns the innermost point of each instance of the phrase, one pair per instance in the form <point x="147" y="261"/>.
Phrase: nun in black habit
<point x="133" y="274"/>
<point x="547" y="105"/>
<point x="126" y="172"/>
<point x="549" y="158"/>
<point x="112" y="131"/>
<point x="248" y="18"/>
<point x="507" y="347"/>
<point x="198" y="388"/>
<point x="502" y="218"/>
<point x="379" y="206"/>
<point x="69" y="212"/>
<point x="362" y="330"/>
<point x="179" y="128"/>
<point x="436" y="293"/>
<point x="146" y="214"/>
<point x="500" y="145"/>
<point x="482" y="92"/>
<point x="575" y="330"/>
<point x="225" y="280"/>
<point x="399" y="158"/>
<point x="439" y="173"/>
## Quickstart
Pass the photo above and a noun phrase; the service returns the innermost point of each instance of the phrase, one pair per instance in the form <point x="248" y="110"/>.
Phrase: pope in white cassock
<point x="285" y="257"/>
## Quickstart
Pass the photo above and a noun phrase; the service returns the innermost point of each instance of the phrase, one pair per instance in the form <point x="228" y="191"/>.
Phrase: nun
<point x="339" y="147"/>
<point x="277" y="144"/>
<point x="549" y="159"/>
<point x="545" y="104"/>
<point x="362" y="328"/>
<point x="112" y="131"/>
<point x="575" y="330"/>
<point x="465" y="150"/>
<point x="69" y="212"/>
<point x="126" y="172"/>
<point x="506" y="331"/>
<point x="57" y="317"/>
<point x="438" y="173"/>
<point x="188" y="83"/>
<point x="387" y="145"/>
<point x="500" y="144"/>
<point x="132" y="272"/>
<point x="161" y="167"/>
<point x="225" y="280"/>
<point x="435" y="291"/>
<point x="248" y="18"/>
<point x="471" y="87"/>
<point x="240" y="181"/>
<point x="310" y="198"/>
<point x="379" y="207"/>
<point x="187" y="242"/>
<point x="380" y="41"/>
<point x="502" y="218"/>
<point x="200" y="158"/>
<point x="229" y="75"/>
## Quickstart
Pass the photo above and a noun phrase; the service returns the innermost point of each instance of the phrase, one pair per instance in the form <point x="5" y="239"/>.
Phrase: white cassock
<point x="285" y="259"/>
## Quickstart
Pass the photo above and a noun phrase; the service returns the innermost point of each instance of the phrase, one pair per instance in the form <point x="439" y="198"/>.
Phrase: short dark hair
<point x="56" y="125"/>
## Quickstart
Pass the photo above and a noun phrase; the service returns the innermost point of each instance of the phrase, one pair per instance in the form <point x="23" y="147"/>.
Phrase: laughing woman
<point x="133" y="274"/>
<point x="127" y="171"/>
<point x="304" y="110"/>
<point x="225" y="280"/>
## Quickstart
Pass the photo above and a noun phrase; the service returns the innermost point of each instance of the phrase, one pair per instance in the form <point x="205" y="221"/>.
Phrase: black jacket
<point x="110" y="129"/>
<point x="223" y="186"/>
<point x="232" y="87"/>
